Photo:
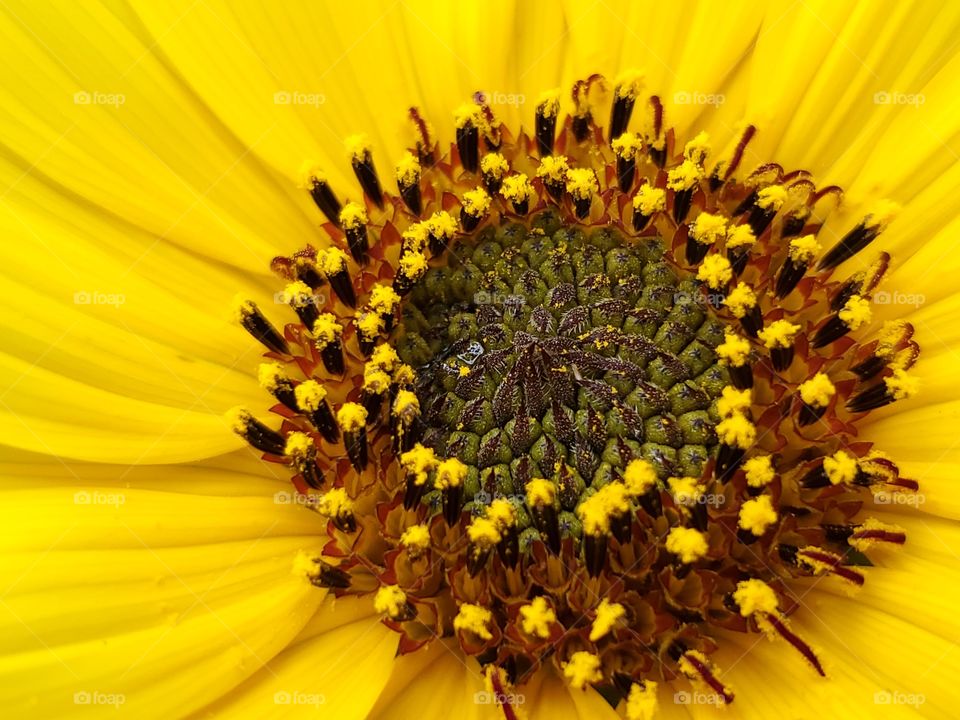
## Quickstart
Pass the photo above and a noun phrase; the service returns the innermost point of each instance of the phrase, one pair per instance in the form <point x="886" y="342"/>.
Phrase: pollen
<point x="270" y="375"/>
<point x="357" y="146"/>
<point x="772" y="198"/>
<point x="384" y="357"/>
<point x="709" y="229"/>
<point x="607" y="618"/>
<point x="687" y="544"/>
<point x="326" y="330"/>
<point x="352" y="417"/>
<point x="408" y="169"/>
<point x="451" y="473"/>
<point x="804" y="249"/>
<point x="639" y="477"/>
<point x="817" y="391"/>
<point x="840" y="468"/>
<point x="299" y="445"/>
<point x="484" y="531"/>
<point x="759" y="471"/>
<point x="540" y="492"/>
<point x="353" y="215"/>
<point x="642" y="701"/>
<point x="582" y="669"/>
<point x="684" y="176"/>
<point x="734" y="350"/>
<point x="419" y="462"/>
<point x="581" y="183"/>
<point x="855" y="312"/>
<point x="779" y="334"/>
<point x="732" y="401"/>
<point x="627" y="146"/>
<point x="697" y="148"/>
<point x="517" y="188"/>
<point x="390" y="600"/>
<point x="757" y="514"/>
<point x="741" y="299"/>
<point x="554" y="168"/>
<point x="715" y="271"/>
<point x="537" y="618"/>
<point x="310" y="395"/>
<point x="755" y="596"/>
<point x="473" y="619"/>
<point x="901" y="385"/>
<point x="335" y="503"/>
<point x="383" y="299"/>
<point x="416" y="537"/>
<point x="649" y="200"/>
<point x="737" y="431"/>
<point x="494" y="165"/>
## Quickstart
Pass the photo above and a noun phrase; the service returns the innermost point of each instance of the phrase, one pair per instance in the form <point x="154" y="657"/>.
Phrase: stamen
<point x="361" y="158"/>
<point x="316" y="182"/>
<point x="546" y="122"/>
<point x="408" y="182"/>
<point x="255" y="323"/>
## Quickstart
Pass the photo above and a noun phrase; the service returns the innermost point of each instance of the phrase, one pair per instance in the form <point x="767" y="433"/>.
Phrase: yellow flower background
<point x="149" y="156"/>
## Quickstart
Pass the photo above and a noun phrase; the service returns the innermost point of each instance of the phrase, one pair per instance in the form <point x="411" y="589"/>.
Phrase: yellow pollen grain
<point x="642" y="701"/>
<point x="759" y="471"/>
<point x="548" y="104"/>
<point x="413" y="265"/>
<point x="697" y="149"/>
<point x="442" y="225"/>
<point x="406" y="404"/>
<point x="384" y="357"/>
<point x="476" y="202"/>
<point x="473" y="619"/>
<point x="687" y="544"/>
<point x="310" y="395"/>
<point x="740" y="300"/>
<point x="358" y="146"/>
<point x="540" y="492"/>
<point x="335" y="503"/>
<point x="468" y="114"/>
<point x="684" y="176"/>
<point x="369" y="324"/>
<point x="737" y="431"/>
<point x="383" y="298"/>
<point x="502" y="513"/>
<point x="891" y="334"/>
<point x="326" y="330"/>
<point x="298" y="294"/>
<point x="856" y="312"/>
<point x="772" y="198"/>
<point x="778" y="334"/>
<point x="408" y="170"/>
<point x="271" y="375"/>
<point x="639" y="477"/>
<point x="450" y="473"/>
<point x="715" y="271"/>
<point x="649" y="200"/>
<point x="901" y="385"/>
<point x="299" y="445"/>
<point x="517" y="188"/>
<point x="732" y="401"/>
<point x="817" y="391"/>
<point x="306" y="565"/>
<point x="740" y="236"/>
<point x="352" y="417"/>
<point x="627" y="145"/>
<point x="238" y="418"/>
<point x="553" y="168"/>
<point x="881" y="214"/>
<point x="757" y="514"/>
<point x="755" y="596"/>
<point x="581" y="183"/>
<point x="628" y="84"/>
<point x="582" y="669"/>
<point x="494" y="165"/>
<point x="310" y="175"/>
<point x="608" y="617"/>
<point x="597" y="510"/>
<point x="734" y="350"/>
<point x="375" y="380"/>
<point x="685" y="490"/>
<point x="708" y="229"/>
<point x="353" y="216"/>
<point x="416" y="537"/>
<point x="243" y="308"/>
<point x="415" y="237"/>
<point x="390" y="600"/>
<point x="804" y="249"/>
<point x="331" y="261"/>
<point x="840" y="468"/>
<point x="483" y="532"/>
<point x="871" y="525"/>
<point x="537" y="618"/>
<point x="419" y="461"/>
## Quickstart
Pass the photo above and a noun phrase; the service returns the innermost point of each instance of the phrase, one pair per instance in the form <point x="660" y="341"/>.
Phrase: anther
<point x="768" y="204"/>
<point x="493" y="168"/>
<point x="451" y="474"/>
<point x="408" y="182"/>
<point x="800" y="256"/>
<point x="353" y="219"/>
<point x="734" y="352"/>
<point x="705" y="231"/>
<point x="311" y="398"/>
<point x="778" y="338"/>
<point x="391" y="601"/>
<point x="300" y="297"/>
<point x="648" y="201"/>
<point x="542" y="501"/>
<point x="333" y="264"/>
<point x="302" y="452"/>
<point x="476" y="203"/>
<point x="352" y="419"/>
<point x="407" y="427"/>
<point x="376" y="386"/>
<point x="327" y="333"/>
<point x="442" y="228"/>
<point x="897" y="386"/>
<point x="737" y="435"/>
<point x="626" y="147"/>
<point x="695" y="666"/>
<point x="244" y="424"/>
<point x="684" y="181"/>
<point x="742" y="304"/>
<point x="546" y="122"/>
<point x="361" y="158"/>
<point x="553" y="172"/>
<point x="854" y="314"/>
<point x="337" y="505"/>
<point x="815" y="396"/>
<point x="739" y="241"/>
<point x="582" y="185"/>
<point x="322" y="194"/>
<point x="274" y="380"/>
<point x="468" y="121"/>
<point x="261" y="329"/>
<point x="624" y="97"/>
<point x="519" y="191"/>
<point x="862" y="235"/>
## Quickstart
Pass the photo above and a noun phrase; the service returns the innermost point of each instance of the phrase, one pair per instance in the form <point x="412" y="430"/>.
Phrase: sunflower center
<point x="586" y="408"/>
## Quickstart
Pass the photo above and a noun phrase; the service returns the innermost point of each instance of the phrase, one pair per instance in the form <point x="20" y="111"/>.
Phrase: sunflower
<point x="412" y="360"/>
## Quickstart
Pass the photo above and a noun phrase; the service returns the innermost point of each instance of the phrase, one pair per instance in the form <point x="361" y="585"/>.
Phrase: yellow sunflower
<point x="488" y="360"/>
